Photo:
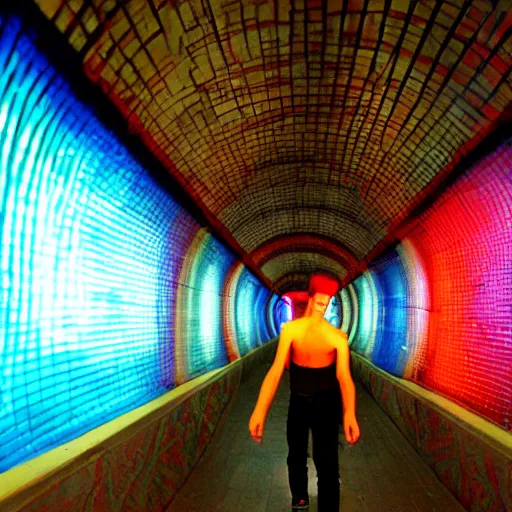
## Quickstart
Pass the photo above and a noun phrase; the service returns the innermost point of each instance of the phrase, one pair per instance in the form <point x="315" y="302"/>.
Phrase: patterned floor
<point x="381" y="473"/>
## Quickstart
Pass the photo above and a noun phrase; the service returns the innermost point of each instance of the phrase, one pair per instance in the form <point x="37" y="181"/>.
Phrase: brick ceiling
<point x="306" y="127"/>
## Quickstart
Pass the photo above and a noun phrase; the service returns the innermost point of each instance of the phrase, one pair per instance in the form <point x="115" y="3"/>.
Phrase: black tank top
<point x="306" y="380"/>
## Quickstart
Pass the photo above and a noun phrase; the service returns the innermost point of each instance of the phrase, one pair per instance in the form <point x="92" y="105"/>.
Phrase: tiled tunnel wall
<point x="435" y="309"/>
<point x="111" y="293"/>
<point x="84" y="224"/>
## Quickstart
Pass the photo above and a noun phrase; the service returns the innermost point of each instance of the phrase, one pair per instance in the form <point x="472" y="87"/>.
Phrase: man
<point x="318" y="356"/>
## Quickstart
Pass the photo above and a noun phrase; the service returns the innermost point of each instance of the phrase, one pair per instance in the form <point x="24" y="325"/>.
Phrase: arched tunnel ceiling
<point x="289" y="117"/>
<point x="307" y="262"/>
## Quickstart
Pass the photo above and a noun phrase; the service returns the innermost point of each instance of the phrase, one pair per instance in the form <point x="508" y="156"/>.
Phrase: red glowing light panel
<point x="465" y="241"/>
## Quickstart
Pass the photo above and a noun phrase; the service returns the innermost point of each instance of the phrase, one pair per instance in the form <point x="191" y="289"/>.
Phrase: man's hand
<point x="257" y="426"/>
<point x="352" y="432"/>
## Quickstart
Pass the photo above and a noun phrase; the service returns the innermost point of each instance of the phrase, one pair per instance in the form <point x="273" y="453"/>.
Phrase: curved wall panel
<point x="271" y="315"/>
<point x="443" y="316"/>
<point x="364" y="327"/>
<point x="283" y="311"/>
<point x="333" y="312"/>
<point x="260" y="306"/>
<point x="98" y="264"/>
<point x="229" y="310"/>
<point x="198" y="321"/>
<point x="346" y="311"/>
<point x="390" y="350"/>
<point x="418" y="308"/>
<point x="250" y="311"/>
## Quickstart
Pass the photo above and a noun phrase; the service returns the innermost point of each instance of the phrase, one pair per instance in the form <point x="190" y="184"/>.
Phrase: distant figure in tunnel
<point x="299" y="303"/>
<point x="318" y="356"/>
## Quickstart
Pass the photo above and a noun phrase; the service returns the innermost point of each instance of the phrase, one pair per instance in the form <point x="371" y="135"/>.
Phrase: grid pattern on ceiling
<point x="293" y="281"/>
<point x="371" y="99"/>
<point x="305" y="262"/>
<point x="298" y="243"/>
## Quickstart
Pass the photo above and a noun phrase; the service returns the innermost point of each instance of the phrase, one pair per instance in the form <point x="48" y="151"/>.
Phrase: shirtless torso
<point x="315" y="342"/>
<point x="312" y="348"/>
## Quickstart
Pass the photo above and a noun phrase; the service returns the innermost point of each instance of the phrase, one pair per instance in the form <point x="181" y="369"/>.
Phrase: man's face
<point x="320" y="301"/>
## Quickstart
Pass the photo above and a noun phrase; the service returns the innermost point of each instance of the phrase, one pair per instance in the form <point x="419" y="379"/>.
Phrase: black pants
<point x="321" y="412"/>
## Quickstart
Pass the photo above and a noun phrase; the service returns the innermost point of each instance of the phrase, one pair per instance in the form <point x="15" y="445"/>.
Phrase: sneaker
<point x="300" y="505"/>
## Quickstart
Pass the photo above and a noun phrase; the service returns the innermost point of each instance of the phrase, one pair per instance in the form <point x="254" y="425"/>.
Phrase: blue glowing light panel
<point x="333" y="312"/>
<point x="271" y="315"/>
<point x="390" y="351"/>
<point x="260" y="308"/>
<point x="204" y="329"/>
<point x="250" y="312"/>
<point x="85" y="243"/>
<point x="283" y="312"/>
<point x="346" y="305"/>
<point x="364" y="326"/>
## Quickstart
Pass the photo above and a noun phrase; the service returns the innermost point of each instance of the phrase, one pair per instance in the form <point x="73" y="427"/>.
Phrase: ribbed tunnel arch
<point x="258" y="205"/>
<point x="305" y="241"/>
<point x="309" y="262"/>
<point x="322" y="221"/>
<point x="292" y="282"/>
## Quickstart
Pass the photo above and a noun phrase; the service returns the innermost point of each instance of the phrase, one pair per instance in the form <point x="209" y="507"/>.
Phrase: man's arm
<point x="273" y="377"/>
<point x="270" y="384"/>
<point x="348" y="389"/>
<point x="344" y="377"/>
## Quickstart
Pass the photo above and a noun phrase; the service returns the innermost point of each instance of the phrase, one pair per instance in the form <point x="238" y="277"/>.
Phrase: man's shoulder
<point x="288" y="326"/>
<point x="293" y="324"/>
<point x="296" y="327"/>
<point x="333" y="332"/>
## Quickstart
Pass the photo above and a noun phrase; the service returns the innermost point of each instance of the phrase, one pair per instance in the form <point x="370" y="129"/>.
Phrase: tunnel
<point x="173" y="172"/>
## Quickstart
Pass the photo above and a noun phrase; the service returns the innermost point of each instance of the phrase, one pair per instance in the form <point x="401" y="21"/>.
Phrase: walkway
<point x="382" y="473"/>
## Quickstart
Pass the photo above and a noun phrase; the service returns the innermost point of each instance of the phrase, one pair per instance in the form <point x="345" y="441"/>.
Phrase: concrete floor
<point x="382" y="473"/>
